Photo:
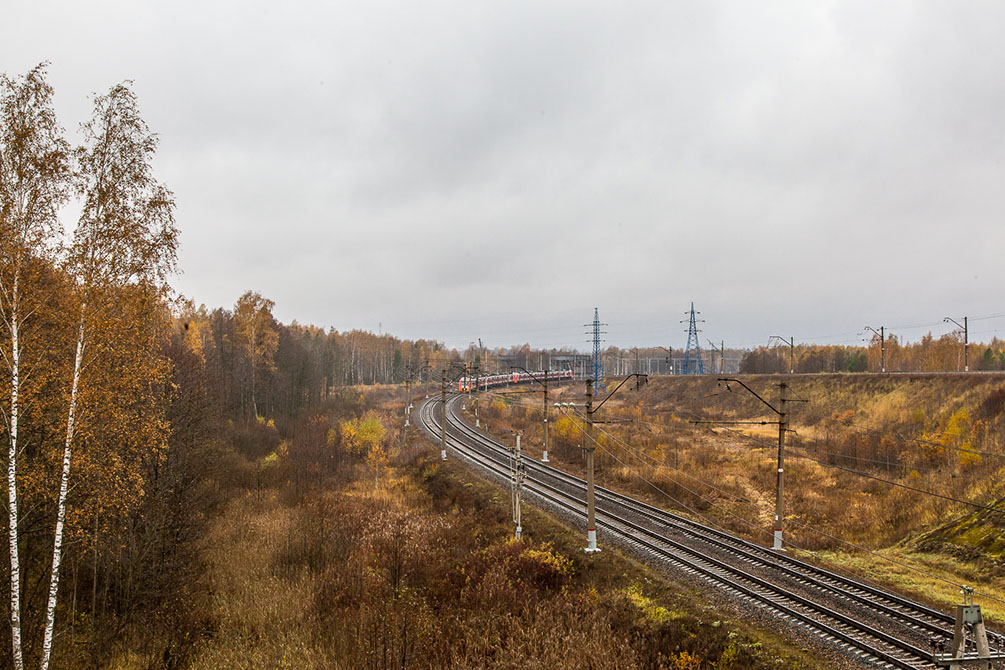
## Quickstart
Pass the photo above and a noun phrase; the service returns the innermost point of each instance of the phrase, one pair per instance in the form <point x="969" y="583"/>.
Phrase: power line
<point x="869" y="476"/>
<point x="760" y="531"/>
<point x="905" y="486"/>
<point x="886" y="464"/>
<point x="682" y="504"/>
<point x="966" y="451"/>
<point x="868" y="432"/>
<point x="988" y="316"/>
<point x="651" y="463"/>
<point x="802" y="525"/>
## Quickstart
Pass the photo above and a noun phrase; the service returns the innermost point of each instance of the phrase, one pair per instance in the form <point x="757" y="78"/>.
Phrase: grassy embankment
<point x="944" y="434"/>
<point x="407" y="562"/>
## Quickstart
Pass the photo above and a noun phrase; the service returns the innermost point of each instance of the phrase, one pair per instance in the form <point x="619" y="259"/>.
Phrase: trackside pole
<point x="591" y="516"/>
<point x="443" y="417"/>
<point x="408" y="402"/>
<point x="544" y="456"/>
<point x="783" y="425"/>
<point x="968" y="618"/>
<point x="517" y="487"/>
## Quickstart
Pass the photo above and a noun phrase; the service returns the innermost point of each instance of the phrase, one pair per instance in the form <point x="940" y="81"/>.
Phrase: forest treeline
<point x="929" y="354"/>
<point x="127" y="413"/>
<point x="258" y="366"/>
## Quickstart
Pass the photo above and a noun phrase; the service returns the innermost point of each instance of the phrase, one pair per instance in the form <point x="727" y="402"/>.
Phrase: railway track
<point x="882" y="628"/>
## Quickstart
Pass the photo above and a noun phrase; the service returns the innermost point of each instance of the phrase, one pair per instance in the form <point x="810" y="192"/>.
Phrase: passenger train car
<point x="467" y="384"/>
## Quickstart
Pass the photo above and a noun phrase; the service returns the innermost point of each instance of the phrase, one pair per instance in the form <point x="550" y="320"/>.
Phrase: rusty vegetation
<point x="203" y="488"/>
<point x="857" y="438"/>
<point x="196" y="488"/>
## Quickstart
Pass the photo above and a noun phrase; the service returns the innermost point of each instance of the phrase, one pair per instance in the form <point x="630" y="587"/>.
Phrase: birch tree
<point x="125" y="236"/>
<point x="257" y="335"/>
<point x="33" y="186"/>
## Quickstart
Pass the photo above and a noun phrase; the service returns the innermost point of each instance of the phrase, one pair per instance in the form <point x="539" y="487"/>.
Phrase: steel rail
<point x="494" y="461"/>
<point x="821" y="578"/>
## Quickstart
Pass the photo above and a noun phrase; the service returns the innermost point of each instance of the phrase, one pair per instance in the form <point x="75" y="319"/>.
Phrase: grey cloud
<point x="794" y="166"/>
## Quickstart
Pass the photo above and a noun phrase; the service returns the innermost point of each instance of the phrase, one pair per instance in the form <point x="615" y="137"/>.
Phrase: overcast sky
<point x="457" y="170"/>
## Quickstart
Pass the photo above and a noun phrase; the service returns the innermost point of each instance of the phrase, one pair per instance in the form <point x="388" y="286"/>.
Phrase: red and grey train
<point x="466" y="384"/>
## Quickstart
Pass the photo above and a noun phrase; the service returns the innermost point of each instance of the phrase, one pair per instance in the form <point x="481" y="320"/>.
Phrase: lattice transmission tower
<point x="598" y="363"/>
<point x="692" y="361"/>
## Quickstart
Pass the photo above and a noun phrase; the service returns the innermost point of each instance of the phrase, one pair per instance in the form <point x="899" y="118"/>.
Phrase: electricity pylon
<point x="598" y="363"/>
<point x="693" y="344"/>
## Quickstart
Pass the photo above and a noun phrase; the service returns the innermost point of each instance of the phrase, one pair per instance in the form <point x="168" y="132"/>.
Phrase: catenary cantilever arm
<point x="752" y="392"/>
<point x="636" y="374"/>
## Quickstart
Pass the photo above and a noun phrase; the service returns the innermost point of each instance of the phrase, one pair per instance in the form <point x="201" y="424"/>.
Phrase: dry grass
<point x="725" y="474"/>
<point x="931" y="584"/>
<point x="415" y="568"/>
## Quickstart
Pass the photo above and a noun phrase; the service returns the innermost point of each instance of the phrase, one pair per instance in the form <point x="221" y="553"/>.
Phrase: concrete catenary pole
<point x="544" y="456"/>
<point x="882" y="348"/>
<point x="591" y="517"/>
<point x="517" y="487"/>
<point x="443" y="417"/>
<point x="966" y="340"/>
<point x="882" y="345"/>
<point x="966" y="347"/>
<point x="408" y="394"/>
<point x="783" y="425"/>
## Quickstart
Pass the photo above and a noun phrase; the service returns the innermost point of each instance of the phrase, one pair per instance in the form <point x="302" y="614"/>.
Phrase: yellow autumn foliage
<point x="363" y="434"/>
<point x="567" y="429"/>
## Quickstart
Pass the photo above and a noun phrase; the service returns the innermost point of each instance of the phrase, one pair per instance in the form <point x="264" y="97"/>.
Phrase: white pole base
<point x="406" y="423"/>
<point x="778" y="540"/>
<point x="591" y="542"/>
<point x="519" y="532"/>
<point x="478" y="423"/>
<point x="443" y="454"/>
<point x="544" y="458"/>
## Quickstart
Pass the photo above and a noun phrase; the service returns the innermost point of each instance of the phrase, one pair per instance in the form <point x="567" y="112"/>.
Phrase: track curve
<point x="881" y="627"/>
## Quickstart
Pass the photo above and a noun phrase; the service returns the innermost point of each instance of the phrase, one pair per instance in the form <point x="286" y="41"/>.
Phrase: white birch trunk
<point x="15" y="565"/>
<point x="57" y="546"/>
